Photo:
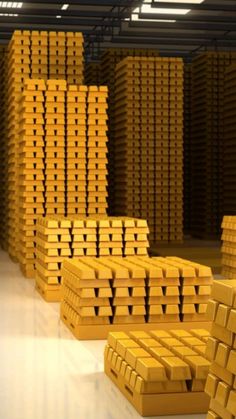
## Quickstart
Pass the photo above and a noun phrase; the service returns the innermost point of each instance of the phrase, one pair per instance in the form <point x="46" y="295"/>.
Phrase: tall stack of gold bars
<point x="109" y="59"/>
<point x="207" y="142"/>
<point x="3" y="169"/>
<point x="187" y="146"/>
<point x="52" y="181"/>
<point x="58" y="238"/>
<point x="149" y="144"/>
<point x="229" y="177"/>
<point x="93" y="74"/>
<point x="40" y="55"/>
<point x="134" y="290"/>
<point x="220" y="351"/>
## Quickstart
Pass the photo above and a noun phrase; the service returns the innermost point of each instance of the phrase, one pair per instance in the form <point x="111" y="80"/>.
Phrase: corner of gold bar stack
<point x="221" y="350"/>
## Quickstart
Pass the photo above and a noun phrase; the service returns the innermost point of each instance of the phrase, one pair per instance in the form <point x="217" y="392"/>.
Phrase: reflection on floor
<point x="206" y="252"/>
<point x="45" y="372"/>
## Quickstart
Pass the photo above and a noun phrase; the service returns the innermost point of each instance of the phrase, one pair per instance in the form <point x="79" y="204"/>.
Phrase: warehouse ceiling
<point x="173" y="27"/>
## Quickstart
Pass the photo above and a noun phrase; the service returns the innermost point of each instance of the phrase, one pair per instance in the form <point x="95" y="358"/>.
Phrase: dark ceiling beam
<point x="173" y="35"/>
<point x="135" y="38"/>
<point x="114" y="14"/>
<point x="60" y="22"/>
<point x="206" y="26"/>
<point x="214" y="6"/>
<point x="192" y="17"/>
<point x="112" y="3"/>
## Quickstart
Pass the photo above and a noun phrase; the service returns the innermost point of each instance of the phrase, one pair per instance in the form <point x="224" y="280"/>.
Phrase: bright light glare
<point x="64" y="6"/>
<point x="146" y="8"/>
<point x="135" y="17"/>
<point x="9" y="14"/>
<point x="11" y="4"/>
<point x="179" y="1"/>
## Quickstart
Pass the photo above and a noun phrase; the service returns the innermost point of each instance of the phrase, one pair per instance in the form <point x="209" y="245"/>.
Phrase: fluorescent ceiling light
<point x="11" y="4"/>
<point x="146" y="8"/>
<point x="58" y="16"/>
<point x="64" y="6"/>
<point x="136" y="18"/>
<point x="9" y="14"/>
<point x="180" y="1"/>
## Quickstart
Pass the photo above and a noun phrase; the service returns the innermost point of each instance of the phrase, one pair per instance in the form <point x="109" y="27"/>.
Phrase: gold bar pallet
<point x="228" y="248"/>
<point x="35" y="55"/>
<point x="221" y="351"/>
<point x="148" y="142"/>
<point x="58" y="238"/>
<point x="160" y="372"/>
<point x="108" y="293"/>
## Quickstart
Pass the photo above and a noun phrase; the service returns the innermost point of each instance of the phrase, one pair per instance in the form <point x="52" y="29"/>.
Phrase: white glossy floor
<point x="44" y="372"/>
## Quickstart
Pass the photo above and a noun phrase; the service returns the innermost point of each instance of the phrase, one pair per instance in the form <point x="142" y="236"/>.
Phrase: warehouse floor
<point x="45" y="372"/>
<point x="206" y="252"/>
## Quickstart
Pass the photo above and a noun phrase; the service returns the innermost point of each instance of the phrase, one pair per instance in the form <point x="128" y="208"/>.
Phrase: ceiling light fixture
<point x="11" y="4"/>
<point x="58" y="16"/>
<point x="180" y="1"/>
<point x="64" y="6"/>
<point x="9" y="14"/>
<point x="136" y="18"/>
<point x="146" y="8"/>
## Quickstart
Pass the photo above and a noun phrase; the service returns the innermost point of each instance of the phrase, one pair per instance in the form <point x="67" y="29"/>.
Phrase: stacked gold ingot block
<point x="74" y="58"/>
<point x="76" y="150"/>
<point x="30" y="170"/>
<point x="207" y="142"/>
<point x="160" y="373"/>
<point x="28" y="57"/>
<point x="84" y="237"/>
<point x="124" y="282"/>
<point x="53" y="241"/>
<point x="229" y="196"/>
<point x="135" y="237"/>
<point x="220" y="385"/>
<point x="110" y="236"/>
<point x="97" y="150"/>
<point x="163" y="295"/>
<point x="57" y="55"/>
<point x="145" y="291"/>
<point x="92" y="74"/>
<point x="149" y="142"/>
<point x="39" y="55"/>
<point x="86" y="300"/>
<point x="55" y="132"/>
<point x="81" y="237"/>
<point x="17" y="68"/>
<point x="228" y="248"/>
<point x="195" y="282"/>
